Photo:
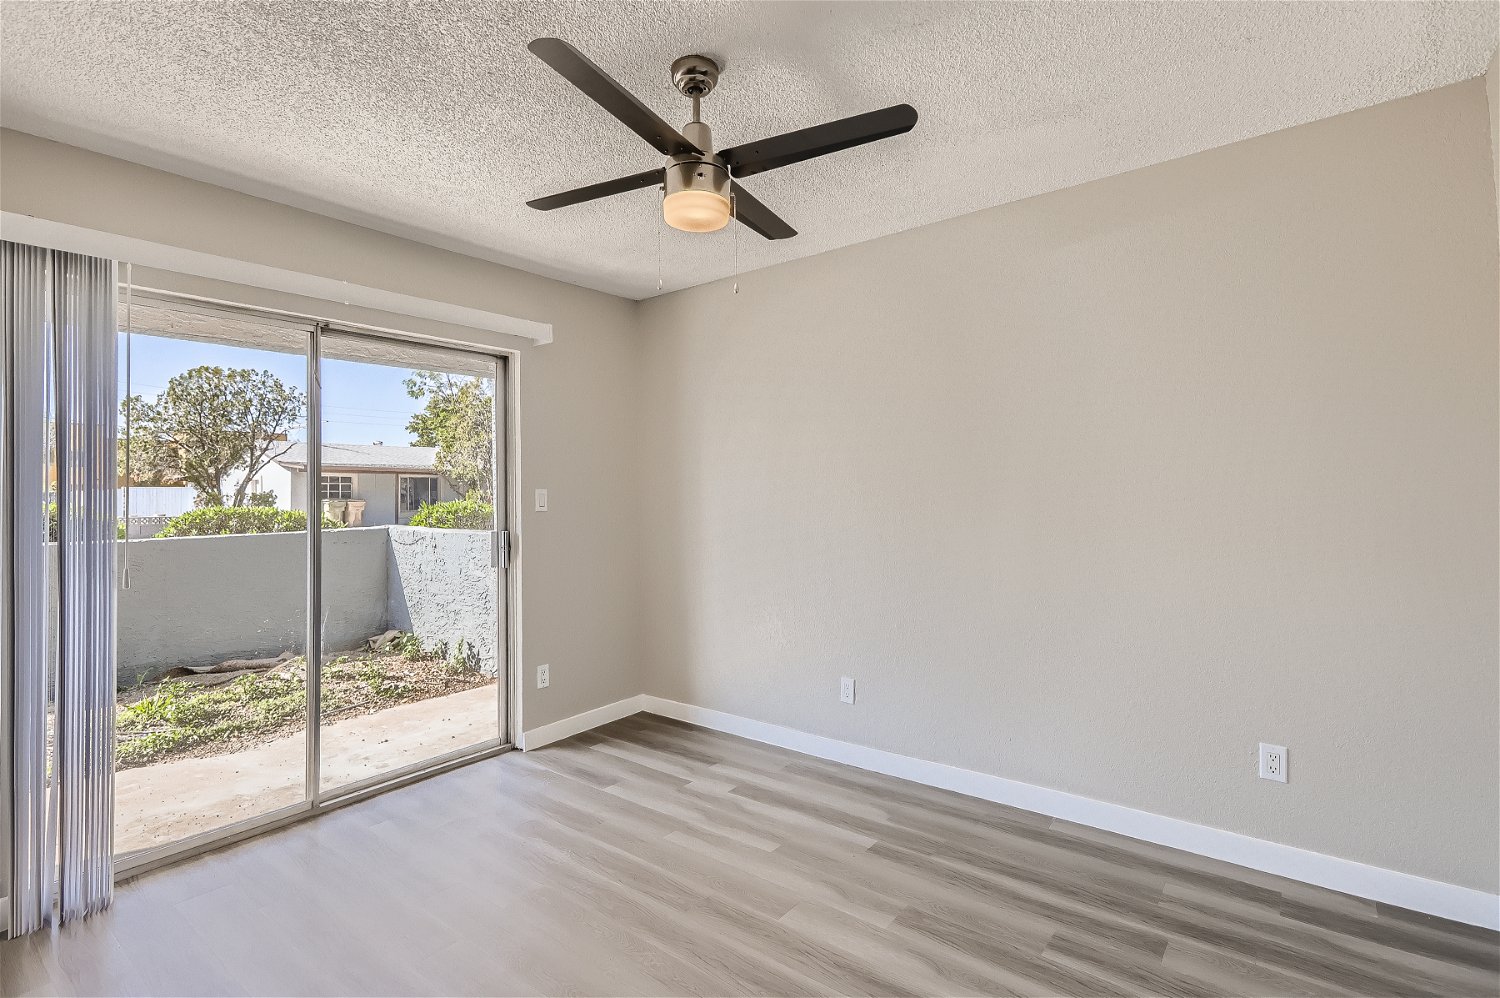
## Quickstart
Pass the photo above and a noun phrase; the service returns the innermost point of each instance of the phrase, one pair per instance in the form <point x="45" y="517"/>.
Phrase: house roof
<point x="363" y="457"/>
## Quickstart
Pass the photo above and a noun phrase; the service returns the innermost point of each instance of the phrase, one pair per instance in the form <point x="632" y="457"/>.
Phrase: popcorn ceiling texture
<point x="432" y="121"/>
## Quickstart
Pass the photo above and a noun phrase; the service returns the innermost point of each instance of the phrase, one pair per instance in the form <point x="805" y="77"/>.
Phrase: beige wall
<point x="1099" y="489"/>
<point x="1492" y="90"/>
<point x="578" y="393"/>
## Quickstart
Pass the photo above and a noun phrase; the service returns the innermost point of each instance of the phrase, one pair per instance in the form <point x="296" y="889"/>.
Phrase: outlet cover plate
<point x="543" y="676"/>
<point x="1273" y="762"/>
<point x="846" y="690"/>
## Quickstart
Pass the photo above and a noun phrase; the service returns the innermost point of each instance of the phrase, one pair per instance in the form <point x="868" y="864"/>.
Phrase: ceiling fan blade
<point x="604" y="189"/>
<point x="819" y="140"/>
<point x="757" y="216"/>
<point x="576" y="68"/>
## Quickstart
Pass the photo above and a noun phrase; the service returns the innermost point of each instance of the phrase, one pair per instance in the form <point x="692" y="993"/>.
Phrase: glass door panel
<point x="411" y="606"/>
<point x="212" y="699"/>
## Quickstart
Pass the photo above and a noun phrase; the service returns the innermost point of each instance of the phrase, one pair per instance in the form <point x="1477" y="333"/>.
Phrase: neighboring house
<point x="392" y="482"/>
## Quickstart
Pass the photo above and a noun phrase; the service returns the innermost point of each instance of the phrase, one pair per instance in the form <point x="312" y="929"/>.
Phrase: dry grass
<point x="177" y="719"/>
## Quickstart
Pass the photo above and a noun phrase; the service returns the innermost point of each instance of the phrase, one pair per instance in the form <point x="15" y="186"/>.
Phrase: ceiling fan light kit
<point x="700" y="192"/>
<point x="695" y="211"/>
<point x="696" y="185"/>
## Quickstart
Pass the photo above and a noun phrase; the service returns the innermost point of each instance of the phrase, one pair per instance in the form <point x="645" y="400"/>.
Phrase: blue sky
<point x="362" y="403"/>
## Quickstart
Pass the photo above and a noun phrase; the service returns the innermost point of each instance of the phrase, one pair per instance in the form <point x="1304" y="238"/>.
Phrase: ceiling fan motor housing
<point x="698" y="173"/>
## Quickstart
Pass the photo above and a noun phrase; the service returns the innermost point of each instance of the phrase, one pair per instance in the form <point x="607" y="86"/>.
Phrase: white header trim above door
<point x="76" y="239"/>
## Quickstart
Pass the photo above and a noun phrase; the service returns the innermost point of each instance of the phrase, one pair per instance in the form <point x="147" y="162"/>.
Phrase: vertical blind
<point x="59" y="317"/>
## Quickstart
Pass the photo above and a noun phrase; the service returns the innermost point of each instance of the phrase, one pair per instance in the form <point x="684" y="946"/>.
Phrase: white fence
<point x="152" y="500"/>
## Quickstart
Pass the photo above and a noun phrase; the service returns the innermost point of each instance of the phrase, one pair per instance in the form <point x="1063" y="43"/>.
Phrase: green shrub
<point x="457" y="514"/>
<point x="212" y="521"/>
<point x="52" y="524"/>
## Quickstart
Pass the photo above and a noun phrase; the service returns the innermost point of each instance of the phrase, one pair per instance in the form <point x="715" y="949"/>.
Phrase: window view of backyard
<point x="212" y="635"/>
<point x="410" y="617"/>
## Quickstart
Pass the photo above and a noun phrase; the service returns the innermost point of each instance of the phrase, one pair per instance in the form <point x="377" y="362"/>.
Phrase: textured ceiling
<point x="431" y="120"/>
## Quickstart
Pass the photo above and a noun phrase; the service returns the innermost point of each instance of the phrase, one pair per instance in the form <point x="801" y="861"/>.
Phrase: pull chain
<point x="661" y="214"/>
<point x="734" y="212"/>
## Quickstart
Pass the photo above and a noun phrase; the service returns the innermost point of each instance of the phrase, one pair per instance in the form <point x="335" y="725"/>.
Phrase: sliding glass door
<point x="212" y="627"/>
<point x="410" y="607"/>
<point x="311" y="524"/>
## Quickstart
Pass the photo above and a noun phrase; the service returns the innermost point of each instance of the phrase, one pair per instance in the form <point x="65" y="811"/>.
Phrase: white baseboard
<point x="1462" y="904"/>
<point x="579" y="723"/>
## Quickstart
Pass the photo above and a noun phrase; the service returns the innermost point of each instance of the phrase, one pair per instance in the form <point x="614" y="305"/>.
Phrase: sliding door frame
<point x="499" y="534"/>
<point x="506" y="468"/>
<point x="312" y="672"/>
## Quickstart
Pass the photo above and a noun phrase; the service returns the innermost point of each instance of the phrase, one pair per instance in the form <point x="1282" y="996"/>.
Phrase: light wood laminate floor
<point x="653" y="858"/>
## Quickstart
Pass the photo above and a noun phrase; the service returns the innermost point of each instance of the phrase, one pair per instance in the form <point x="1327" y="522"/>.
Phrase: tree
<point x="208" y="423"/>
<point x="459" y="420"/>
<point x="440" y="391"/>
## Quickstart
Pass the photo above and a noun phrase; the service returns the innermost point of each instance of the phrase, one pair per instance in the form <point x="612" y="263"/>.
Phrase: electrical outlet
<point x="543" y="676"/>
<point x="846" y="690"/>
<point x="541" y="500"/>
<point x="1273" y="762"/>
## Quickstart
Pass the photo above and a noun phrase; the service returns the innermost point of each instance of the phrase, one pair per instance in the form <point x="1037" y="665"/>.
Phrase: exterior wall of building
<point x="378" y="491"/>
<point x="381" y="494"/>
<point x="297" y="491"/>
<point x="286" y="484"/>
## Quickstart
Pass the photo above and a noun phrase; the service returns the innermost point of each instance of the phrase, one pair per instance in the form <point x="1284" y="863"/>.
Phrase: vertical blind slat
<point x="26" y="338"/>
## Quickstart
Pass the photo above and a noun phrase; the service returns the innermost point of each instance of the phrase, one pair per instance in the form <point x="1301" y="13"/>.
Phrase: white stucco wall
<point x="195" y="600"/>
<point x="355" y="581"/>
<point x="441" y="587"/>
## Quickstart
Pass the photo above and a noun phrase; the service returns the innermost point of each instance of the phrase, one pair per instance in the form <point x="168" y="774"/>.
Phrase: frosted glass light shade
<point x="696" y="211"/>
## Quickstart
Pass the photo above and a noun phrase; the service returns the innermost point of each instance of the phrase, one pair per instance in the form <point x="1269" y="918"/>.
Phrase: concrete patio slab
<point x="166" y="802"/>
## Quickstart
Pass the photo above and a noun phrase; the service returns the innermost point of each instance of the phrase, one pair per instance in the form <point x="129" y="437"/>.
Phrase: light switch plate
<point x="541" y="500"/>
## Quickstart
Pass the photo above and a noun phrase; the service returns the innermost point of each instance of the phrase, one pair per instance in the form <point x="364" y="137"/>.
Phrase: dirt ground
<point x="167" y="801"/>
<point x="181" y="717"/>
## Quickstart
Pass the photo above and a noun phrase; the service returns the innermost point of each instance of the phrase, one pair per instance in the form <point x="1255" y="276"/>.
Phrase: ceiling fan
<point x="699" y="182"/>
